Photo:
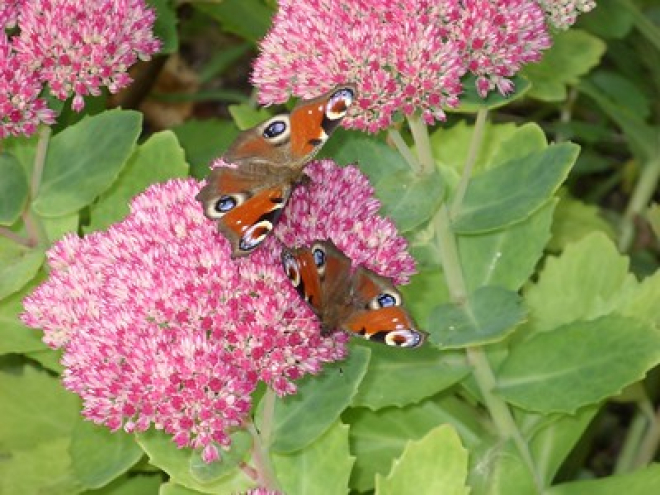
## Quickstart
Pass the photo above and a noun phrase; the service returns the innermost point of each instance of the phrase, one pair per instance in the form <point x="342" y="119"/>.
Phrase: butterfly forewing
<point x="247" y="201"/>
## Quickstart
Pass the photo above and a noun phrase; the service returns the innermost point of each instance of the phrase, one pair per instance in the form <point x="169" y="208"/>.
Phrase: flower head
<point x="339" y="205"/>
<point x="496" y="38"/>
<point x="21" y="109"/>
<point x="160" y="327"/>
<point x="562" y="14"/>
<point x="396" y="52"/>
<point x="403" y="56"/>
<point x="78" y="47"/>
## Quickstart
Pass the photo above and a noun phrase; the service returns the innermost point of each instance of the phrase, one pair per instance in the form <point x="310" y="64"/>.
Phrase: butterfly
<point x="248" y="200"/>
<point x="363" y="303"/>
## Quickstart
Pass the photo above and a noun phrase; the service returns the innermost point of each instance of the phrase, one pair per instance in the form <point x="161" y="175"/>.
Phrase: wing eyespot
<point x="320" y="258"/>
<point x="385" y="299"/>
<point x="224" y="204"/>
<point x="255" y="235"/>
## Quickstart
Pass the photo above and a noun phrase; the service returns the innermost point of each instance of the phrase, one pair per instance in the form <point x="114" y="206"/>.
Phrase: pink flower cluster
<point x="76" y="48"/>
<point x="562" y="14"/>
<point x="347" y="213"/>
<point x="396" y="52"/>
<point x="404" y="56"/>
<point x="21" y="109"/>
<point x="496" y="38"/>
<point x="161" y="327"/>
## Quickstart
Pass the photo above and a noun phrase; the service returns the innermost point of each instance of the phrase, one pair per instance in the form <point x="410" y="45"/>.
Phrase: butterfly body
<point x="361" y="303"/>
<point x="248" y="198"/>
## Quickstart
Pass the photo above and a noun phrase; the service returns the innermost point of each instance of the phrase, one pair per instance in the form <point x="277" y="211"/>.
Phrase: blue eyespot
<point x="225" y="204"/>
<point x="274" y="129"/>
<point x="386" y="300"/>
<point x="319" y="257"/>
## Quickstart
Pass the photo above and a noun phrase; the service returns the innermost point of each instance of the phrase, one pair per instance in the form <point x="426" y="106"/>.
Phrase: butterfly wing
<point x="378" y="313"/>
<point x="247" y="202"/>
<point x="321" y="275"/>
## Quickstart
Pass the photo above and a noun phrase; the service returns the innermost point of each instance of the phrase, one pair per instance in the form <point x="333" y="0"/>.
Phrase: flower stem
<point x="40" y="159"/>
<point x="475" y="145"/>
<point x="420" y="134"/>
<point x="260" y="454"/>
<point x="482" y="371"/>
<point x="642" y="439"/>
<point x="404" y="150"/>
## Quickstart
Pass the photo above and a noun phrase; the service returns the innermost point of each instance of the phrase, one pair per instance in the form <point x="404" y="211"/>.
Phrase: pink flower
<point x="160" y="327"/>
<point x="562" y="14"/>
<point x="496" y="38"/>
<point x="78" y="47"/>
<point x="9" y="12"/>
<point x="339" y="205"/>
<point x="403" y="56"/>
<point x="21" y="109"/>
<point x="396" y="52"/>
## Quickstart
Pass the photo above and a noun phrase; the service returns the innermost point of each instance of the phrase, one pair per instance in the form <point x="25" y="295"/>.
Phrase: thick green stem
<point x="404" y="150"/>
<point x="421" y="136"/>
<point x="483" y="373"/>
<point x="475" y="145"/>
<point x="40" y="160"/>
<point x="260" y="453"/>
<point x="644" y="190"/>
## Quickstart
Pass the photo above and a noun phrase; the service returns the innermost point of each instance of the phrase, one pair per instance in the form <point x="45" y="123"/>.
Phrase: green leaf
<point x="488" y="315"/>
<point x="496" y="468"/>
<point x="98" y="455"/>
<point x="515" y="190"/>
<point x="424" y="292"/>
<point x="396" y="378"/>
<point x="241" y="444"/>
<point x="378" y="438"/>
<point x="14" y="336"/>
<point x="409" y="199"/>
<point x="84" y="160"/>
<point x="471" y="101"/>
<point x="13" y="189"/>
<point x="323" y="467"/>
<point x="500" y="143"/>
<point x="653" y="217"/>
<point x="327" y="395"/>
<point x="132" y="485"/>
<point x="438" y="462"/>
<point x="640" y="135"/>
<point x="572" y="55"/>
<point x="610" y="20"/>
<point x="35" y="409"/>
<point x="577" y="364"/>
<point x="555" y="438"/>
<point x="160" y="158"/>
<point x="641" y="482"/>
<point x="165" y="27"/>
<point x="374" y="158"/>
<point x="623" y="91"/>
<point x="246" y="116"/>
<point x="56" y="227"/>
<point x="17" y="266"/>
<point x="43" y="469"/>
<point x="574" y="220"/>
<point x="574" y="286"/>
<point x="506" y="257"/>
<point x="184" y="467"/>
<point x="170" y="488"/>
<point x="203" y="141"/>
<point x="249" y="19"/>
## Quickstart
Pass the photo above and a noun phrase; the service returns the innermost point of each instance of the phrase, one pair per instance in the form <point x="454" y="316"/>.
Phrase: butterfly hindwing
<point x="363" y="304"/>
<point x="378" y="312"/>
